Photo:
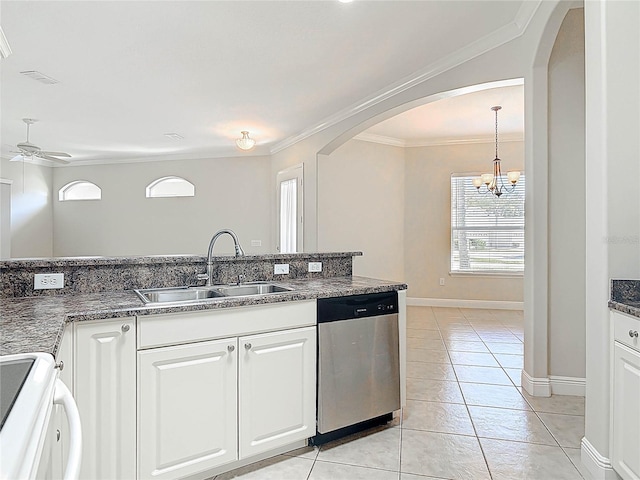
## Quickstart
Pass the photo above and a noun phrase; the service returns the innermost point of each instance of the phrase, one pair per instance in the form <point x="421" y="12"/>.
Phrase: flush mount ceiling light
<point x="245" y="143"/>
<point x="494" y="182"/>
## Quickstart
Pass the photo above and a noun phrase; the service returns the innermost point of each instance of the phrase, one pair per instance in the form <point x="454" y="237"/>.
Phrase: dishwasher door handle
<point x="62" y="396"/>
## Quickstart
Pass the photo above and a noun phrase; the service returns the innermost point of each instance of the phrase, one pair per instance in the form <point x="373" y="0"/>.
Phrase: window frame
<point x="167" y="179"/>
<point x="491" y="272"/>
<point x="69" y="187"/>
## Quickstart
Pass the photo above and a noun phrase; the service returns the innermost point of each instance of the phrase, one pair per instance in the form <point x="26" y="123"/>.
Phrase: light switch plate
<point x="43" y="281"/>
<point x="256" y="243"/>
<point x="281" y="269"/>
<point x="315" y="266"/>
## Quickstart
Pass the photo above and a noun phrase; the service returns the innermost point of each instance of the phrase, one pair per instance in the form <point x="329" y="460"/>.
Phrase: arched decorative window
<point x="80" y="190"/>
<point x="170" y="187"/>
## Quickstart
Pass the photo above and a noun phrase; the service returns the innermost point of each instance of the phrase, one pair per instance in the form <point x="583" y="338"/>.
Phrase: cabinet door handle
<point x="247" y="346"/>
<point x="126" y="328"/>
<point x="231" y="348"/>
<point x="633" y="333"/>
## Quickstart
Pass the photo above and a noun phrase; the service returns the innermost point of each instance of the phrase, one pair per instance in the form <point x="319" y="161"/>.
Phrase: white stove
<point x="29" y="388"/>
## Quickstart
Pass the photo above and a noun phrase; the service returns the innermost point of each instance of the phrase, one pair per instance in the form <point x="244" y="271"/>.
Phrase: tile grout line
<point x="466" y="406"/>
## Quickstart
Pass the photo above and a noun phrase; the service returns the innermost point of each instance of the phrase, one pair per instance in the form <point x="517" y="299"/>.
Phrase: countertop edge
<point x="624" y="308"/>
<point x="31" y="336"/>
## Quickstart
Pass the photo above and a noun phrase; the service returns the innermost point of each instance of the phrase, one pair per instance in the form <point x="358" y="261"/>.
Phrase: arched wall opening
<point x="524" y="56"/>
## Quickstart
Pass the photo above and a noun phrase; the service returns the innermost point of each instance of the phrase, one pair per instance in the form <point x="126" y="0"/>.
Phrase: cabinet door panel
<point x="187" y="410"/>
<point x="277" y="389"/>
<point x="105" y="391"/>
<point x="626" y="412"/>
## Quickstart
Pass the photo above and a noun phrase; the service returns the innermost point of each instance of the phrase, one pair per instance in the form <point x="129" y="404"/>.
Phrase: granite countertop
<point x="36" y="324"/>
<point x="625" y="296"/>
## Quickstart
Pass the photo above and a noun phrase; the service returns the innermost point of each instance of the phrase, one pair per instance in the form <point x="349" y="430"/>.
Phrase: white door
<point x="187" y="408"/>
<point x="105" y="392"/>
<point x="290" y="210"/>
<point x="277" y="385"/>
<point x="626" y="412"/>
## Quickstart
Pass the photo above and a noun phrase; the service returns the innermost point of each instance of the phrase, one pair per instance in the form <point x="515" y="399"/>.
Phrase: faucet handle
<point x="202" y="276"/>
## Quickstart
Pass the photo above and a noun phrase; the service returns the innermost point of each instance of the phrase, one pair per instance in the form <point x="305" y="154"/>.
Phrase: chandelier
<point x="494" y="182"/>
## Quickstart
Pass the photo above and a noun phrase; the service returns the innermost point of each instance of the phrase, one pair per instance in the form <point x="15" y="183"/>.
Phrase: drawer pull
<point x="125" y="328"/>
<point x="247" y="346"/>
<point x="231" y="348"/>
<point x="633" y="333"/>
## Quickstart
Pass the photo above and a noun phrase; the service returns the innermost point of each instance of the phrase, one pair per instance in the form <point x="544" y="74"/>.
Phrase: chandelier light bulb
<point x="245" y="143"/>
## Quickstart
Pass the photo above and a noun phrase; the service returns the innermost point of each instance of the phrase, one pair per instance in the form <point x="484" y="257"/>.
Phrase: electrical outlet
<point x="256" y="243"/>
<point x="281" y="269"/>
<point x="315" y="266"/>
<point x="442" y="282"/>
<point x="48" y="280"/>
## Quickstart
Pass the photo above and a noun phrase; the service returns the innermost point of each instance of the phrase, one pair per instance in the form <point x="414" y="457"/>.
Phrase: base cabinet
<point x="187" y="408"/>
<point x="105" y="392"/>
<point x="625" y="408"/>
<point x="188" y="397"/>
<point x="277" y="380"/>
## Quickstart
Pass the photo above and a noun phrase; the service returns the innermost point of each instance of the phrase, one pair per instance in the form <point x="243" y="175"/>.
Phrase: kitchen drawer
<point x="626" y="329"/>
<point x="188" y="327"/>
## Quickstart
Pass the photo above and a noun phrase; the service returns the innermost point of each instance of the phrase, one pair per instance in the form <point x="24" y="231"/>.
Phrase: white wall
<point x="567" y="215"/>
<point x="361" y="207"/>
<point x="230" y="193"/>
<point x="31" y="208"/>
<point x="428" y="221"/>
<point x="612" y="34"/>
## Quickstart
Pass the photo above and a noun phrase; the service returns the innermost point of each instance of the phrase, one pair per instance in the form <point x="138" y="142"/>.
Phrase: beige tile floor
<point x="466" y="416"/>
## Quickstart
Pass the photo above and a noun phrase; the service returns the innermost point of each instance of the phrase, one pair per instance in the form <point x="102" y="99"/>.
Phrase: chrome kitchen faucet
<point x="236" y="244"/>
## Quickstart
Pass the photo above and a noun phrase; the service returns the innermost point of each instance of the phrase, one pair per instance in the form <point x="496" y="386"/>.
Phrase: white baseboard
<point x="598" y="466"/>
<point x="463" y="303"/>
<point x="568" y="385"/>
<point x="536" y="387"/>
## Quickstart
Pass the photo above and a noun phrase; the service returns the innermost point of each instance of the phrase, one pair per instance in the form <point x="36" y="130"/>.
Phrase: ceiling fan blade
<point x="52" y="159"/>
<point x="17" y="158"/>
<point x="56" y="154"/>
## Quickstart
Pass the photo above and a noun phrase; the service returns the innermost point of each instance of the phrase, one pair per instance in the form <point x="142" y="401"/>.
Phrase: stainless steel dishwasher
<point x="358" y="363"/>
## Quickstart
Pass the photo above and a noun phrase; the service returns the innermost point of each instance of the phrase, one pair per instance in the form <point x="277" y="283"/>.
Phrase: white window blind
<point x="487" y="232"/>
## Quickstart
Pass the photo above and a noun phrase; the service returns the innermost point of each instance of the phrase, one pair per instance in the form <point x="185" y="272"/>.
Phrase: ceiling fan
<point x="30" y="150"/>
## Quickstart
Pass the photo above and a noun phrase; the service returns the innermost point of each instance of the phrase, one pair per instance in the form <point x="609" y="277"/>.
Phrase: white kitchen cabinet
<point x="277" y="389"/>
<point x="220" y="388"/>
<point x="187" y="408"/>
<point x="105" y="392"/>
<point x="625" y="405"/>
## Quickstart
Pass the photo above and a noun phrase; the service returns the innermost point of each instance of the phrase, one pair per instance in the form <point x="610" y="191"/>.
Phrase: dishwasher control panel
<point x="357" y="306"/>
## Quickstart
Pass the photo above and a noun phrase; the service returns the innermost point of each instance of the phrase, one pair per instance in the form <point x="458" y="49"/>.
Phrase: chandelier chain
<point x="496" y="110"/>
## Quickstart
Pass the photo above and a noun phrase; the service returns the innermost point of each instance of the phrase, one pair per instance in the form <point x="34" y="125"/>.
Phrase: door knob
<point x="231" y="348"/>
<point x="633" y="333"/>
<point x="125" y="328"/>
<point x="247" y="346"/>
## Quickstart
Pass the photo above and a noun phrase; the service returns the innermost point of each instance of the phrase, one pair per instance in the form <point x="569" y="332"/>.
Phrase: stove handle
<point x="63" y="397"/>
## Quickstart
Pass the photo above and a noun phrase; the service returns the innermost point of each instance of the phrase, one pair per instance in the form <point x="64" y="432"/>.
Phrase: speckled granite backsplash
<point x="104" y="274"/>
<point x="625" y="291"/>
<point x="625" y="296"/>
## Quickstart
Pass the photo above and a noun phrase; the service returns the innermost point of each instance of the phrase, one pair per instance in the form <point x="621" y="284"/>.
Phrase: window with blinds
<point x="487" y="232"/>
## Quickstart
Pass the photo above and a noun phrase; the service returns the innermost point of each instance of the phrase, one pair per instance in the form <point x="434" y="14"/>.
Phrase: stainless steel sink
<point x="195" y="294"/>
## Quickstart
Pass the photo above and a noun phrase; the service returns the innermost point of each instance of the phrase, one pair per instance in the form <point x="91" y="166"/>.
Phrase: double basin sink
<point x="194" y="294"/>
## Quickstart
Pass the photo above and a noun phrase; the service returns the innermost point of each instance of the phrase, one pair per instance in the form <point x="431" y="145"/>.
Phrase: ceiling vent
<point x="39" y="77"/>
<point x="174" y="136"/>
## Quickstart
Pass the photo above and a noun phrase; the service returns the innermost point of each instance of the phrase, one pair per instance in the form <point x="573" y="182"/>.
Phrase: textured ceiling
<point x="130" y="72"/>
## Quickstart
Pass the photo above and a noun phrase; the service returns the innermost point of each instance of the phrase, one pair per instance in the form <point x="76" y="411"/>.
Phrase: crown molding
<point x="5" y="49"/>
<point x="435" y="142"/>
<point x="499" y="37"/>
<point x="381" y="139"/>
